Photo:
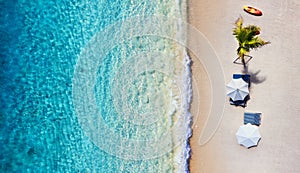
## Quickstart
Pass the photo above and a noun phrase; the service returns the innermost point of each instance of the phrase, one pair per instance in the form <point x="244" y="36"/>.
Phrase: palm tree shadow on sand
<point x="254" y="76"/>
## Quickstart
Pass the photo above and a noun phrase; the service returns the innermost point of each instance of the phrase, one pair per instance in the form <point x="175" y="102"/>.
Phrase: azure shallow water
<point x="70" y="105"/>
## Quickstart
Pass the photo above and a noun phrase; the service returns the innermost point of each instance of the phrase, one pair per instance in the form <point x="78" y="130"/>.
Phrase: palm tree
<point x="247" y="39"/>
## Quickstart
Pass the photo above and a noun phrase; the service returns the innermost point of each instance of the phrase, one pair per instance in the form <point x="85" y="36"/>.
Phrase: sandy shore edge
<point x="274" y="71"/>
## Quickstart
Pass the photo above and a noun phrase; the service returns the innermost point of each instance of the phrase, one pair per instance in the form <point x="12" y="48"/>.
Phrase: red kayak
<point x="252" y="10"/>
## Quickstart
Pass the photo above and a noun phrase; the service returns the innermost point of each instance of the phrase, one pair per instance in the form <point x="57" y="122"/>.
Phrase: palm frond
<point x="238" y="26"/>
<point x="255" y="43"/>
<point x="241" y="36"/>
<point x="252" y="28"/>
<point x="251" y="31"/>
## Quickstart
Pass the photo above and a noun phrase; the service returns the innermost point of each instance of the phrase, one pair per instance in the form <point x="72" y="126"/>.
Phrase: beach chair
<point x="245" y="77"/>
<point x="242" y="103"/>
<point x="252" y="118"/>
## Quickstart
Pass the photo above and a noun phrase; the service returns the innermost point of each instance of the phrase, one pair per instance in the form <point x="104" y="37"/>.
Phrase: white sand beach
<point x="274" y="88"/>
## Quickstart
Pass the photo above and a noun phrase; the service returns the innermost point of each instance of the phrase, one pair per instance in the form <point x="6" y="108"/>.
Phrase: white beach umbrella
<point x="248" y="135"/>
<point x="237" y="89"/>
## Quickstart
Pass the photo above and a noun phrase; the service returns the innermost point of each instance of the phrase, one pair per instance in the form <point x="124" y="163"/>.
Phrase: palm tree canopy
<point x="247" y="37"/>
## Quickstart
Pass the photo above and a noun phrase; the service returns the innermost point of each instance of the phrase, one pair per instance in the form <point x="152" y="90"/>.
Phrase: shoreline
<point x="274" y="70"/>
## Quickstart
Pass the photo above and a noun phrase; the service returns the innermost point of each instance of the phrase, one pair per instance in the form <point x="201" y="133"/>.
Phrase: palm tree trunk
<point x="243" y="61"/>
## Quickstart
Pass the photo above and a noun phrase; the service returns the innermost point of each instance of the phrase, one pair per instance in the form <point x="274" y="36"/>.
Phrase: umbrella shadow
<point x="241" y="103"/>
<point x="255" y="145"/>
<point x="254" y="76"/>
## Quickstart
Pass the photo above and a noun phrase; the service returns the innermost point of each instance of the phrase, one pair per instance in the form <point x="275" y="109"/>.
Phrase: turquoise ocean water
<point x="73" y="101"/>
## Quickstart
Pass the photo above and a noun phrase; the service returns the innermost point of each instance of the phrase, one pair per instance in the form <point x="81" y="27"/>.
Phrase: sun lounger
<point x="252" y="118"/>
<point x="245" y="77"/>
